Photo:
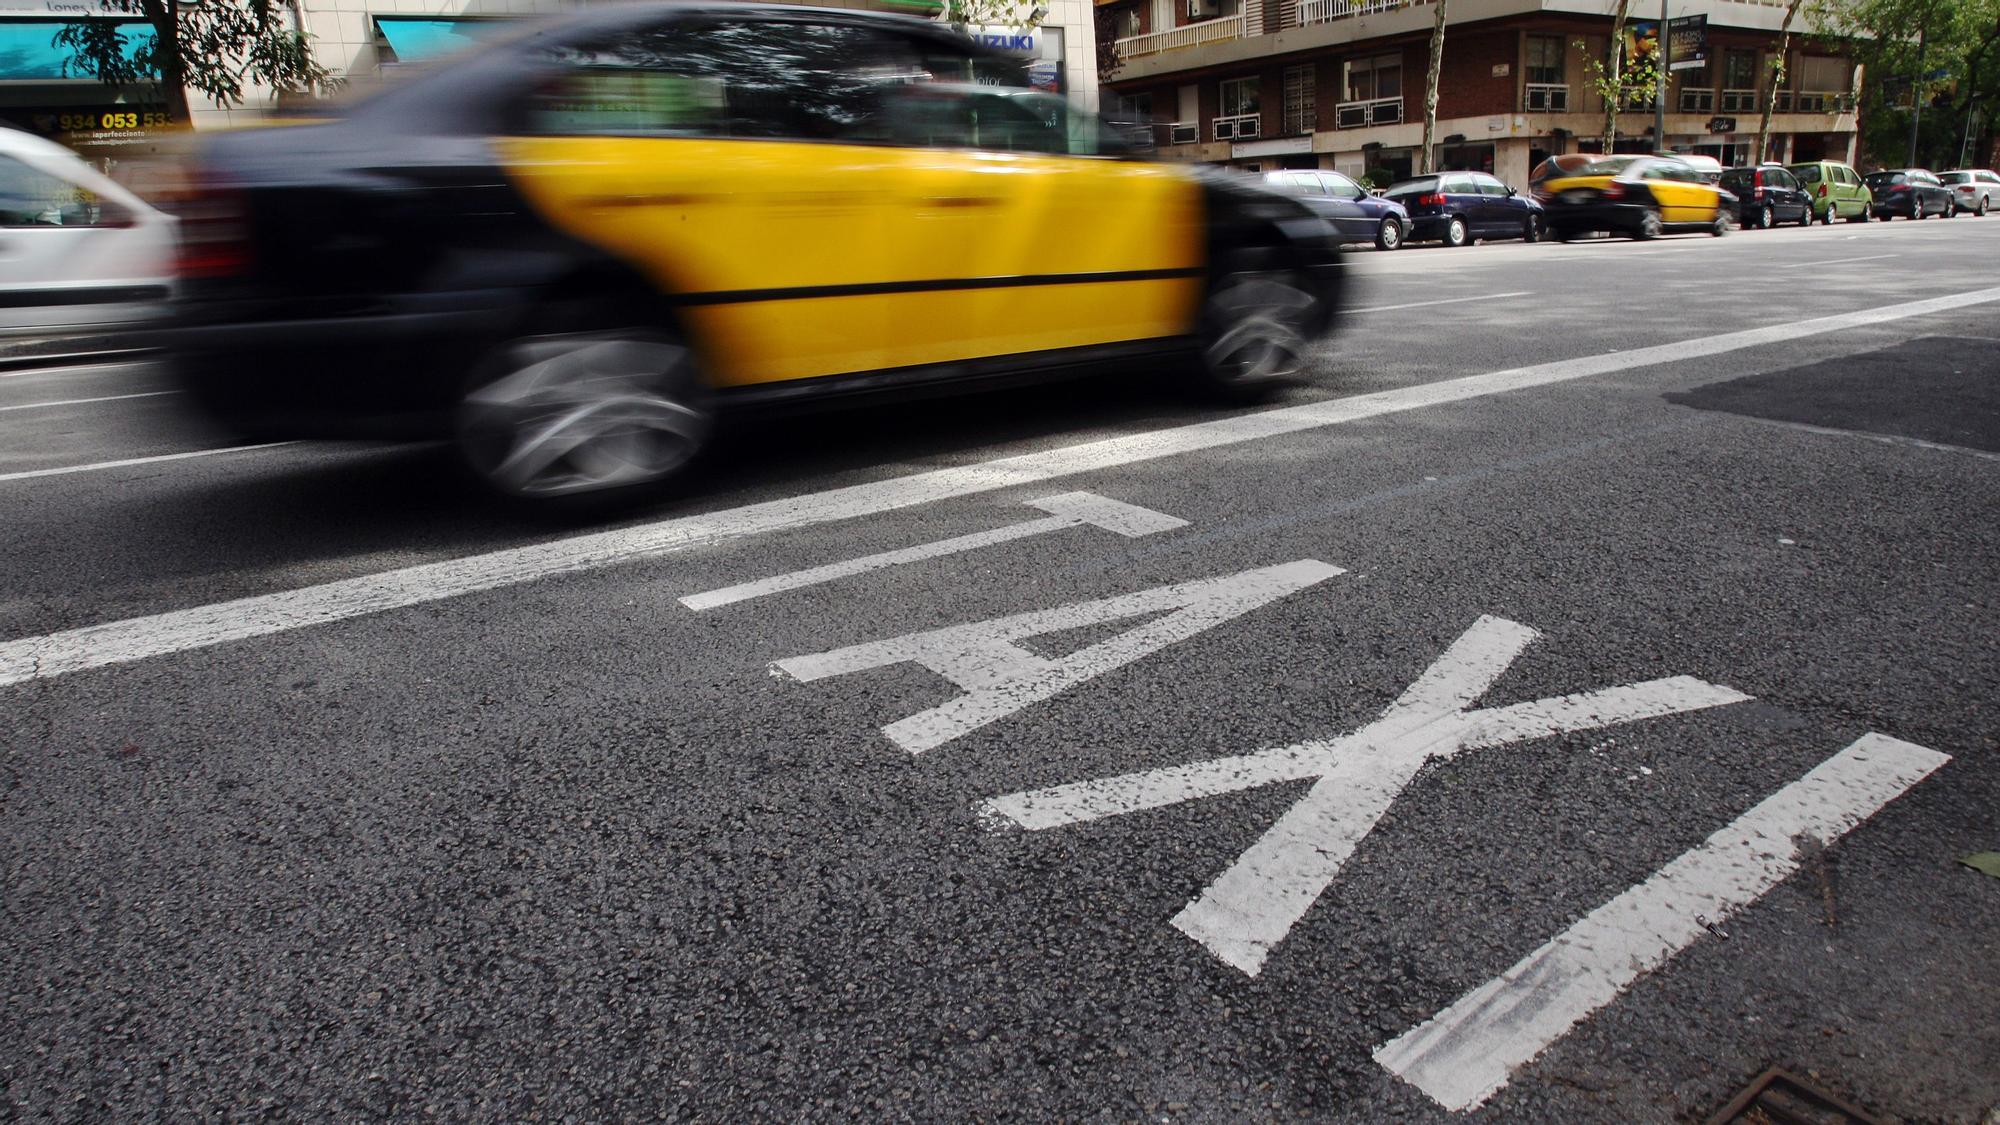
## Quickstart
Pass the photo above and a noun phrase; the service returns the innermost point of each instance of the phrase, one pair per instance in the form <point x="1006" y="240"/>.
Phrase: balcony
<point x="1177" y="38"/>
<point x="1241" y="127"/>
<point x="1360" y="115"/>
<point x="1812" y="101"/>
<point x="1697" y="101"/>
<point x="1739" y="101"/>
<point x="1546" y="97"/>
<point x="1320" y="11"/>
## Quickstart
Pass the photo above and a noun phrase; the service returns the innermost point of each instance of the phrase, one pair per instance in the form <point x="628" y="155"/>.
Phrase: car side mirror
<point x="1511" y="193"/>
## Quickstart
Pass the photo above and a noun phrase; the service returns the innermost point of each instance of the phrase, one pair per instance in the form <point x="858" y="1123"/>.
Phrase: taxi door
<point x="1682" y="195"/>
<point x="1041" y="243"/>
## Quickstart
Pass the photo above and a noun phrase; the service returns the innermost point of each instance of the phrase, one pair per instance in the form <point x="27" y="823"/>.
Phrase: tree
<point x="1936" y="53"/>
<point x="1770" y="99"/>
<point x="1610" y="79"/>
<point x="217" y="48"/>
<point x="1431" y="87"/>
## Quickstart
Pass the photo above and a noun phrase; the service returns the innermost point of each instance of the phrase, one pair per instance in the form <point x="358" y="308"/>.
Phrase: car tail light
<point x="1614" y="190"/>
<point x="1433" y="200"/>
<point x="1899" y="189"/>
<point x="214" y="229"/>
<point x="1822" y="191"/>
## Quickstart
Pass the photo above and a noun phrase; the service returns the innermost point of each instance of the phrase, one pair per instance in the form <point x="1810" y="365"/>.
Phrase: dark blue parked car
<point x="1358" y="215"/>
<point x="1458" y="208"/>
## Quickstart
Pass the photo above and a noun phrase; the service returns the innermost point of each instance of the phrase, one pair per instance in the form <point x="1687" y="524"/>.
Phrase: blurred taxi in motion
<point x="569" y="248"/>
<point x="1640" y="197"/>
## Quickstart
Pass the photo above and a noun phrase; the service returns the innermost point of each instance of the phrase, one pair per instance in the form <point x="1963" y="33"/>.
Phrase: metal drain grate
<point x="1779" y="1097"/>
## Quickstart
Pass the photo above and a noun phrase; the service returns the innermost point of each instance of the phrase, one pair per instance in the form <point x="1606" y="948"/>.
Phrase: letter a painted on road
<point x="1000" y="677"/>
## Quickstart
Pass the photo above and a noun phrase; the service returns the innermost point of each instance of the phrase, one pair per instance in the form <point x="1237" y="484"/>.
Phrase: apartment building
<point x="1262" y="84"/>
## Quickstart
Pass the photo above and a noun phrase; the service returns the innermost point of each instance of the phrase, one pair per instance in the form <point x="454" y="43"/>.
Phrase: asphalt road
<point x="1658" y="581"/>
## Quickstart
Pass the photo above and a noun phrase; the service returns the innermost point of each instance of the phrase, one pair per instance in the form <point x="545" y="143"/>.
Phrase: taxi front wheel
<point x="1255" y="326"/>
<point x="583" y="419"/>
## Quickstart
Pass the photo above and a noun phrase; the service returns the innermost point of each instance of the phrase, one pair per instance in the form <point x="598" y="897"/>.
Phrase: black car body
<point x="1459" y="208"/>
<point x="1911" y="193"/>
<point x="836" y="223"/>
<point x="1767" y="195"/>
<point x="1358" y="214"/>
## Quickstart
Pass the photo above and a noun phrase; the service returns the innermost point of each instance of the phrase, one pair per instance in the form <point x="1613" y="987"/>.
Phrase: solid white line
<point x="1839" y="261"/>
<point x="1447" y="301"/>
<point x="81" y="401"/>
<point x="118" y="642"/>
<point x="1881" y="439"/>
<point x="1072" y="509"/>
<point x="65" y="470"/>
<point x="1466" y="1052"/>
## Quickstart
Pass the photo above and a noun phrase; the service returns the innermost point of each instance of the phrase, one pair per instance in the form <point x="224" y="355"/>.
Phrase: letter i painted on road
<point x="1000" y="677"/>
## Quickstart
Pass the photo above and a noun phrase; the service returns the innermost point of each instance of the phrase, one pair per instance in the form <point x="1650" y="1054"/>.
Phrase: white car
<point x="1973" y="189"/>
<point x="77" y="251"/>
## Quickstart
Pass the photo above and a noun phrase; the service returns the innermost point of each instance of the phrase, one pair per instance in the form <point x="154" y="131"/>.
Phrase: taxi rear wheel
<point x="1649" y="227"/>
<point x="1255" y="326"/>
<point x="583" y="418"/>
<point x="1721" y="225"/>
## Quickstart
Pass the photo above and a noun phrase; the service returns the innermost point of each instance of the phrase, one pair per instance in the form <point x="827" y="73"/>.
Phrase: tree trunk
<point x="1431" y="87"/>
<point x="1777" y="79"/>
<point x="1611" y="70"/>
<point x="173" y="73"/>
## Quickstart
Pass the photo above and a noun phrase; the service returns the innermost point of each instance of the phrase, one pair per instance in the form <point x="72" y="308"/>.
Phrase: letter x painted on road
<point x="1250" y="908"/>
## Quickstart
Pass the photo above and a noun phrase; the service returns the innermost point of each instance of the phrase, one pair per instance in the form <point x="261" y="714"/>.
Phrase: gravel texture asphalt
<point x="566" y="849"/>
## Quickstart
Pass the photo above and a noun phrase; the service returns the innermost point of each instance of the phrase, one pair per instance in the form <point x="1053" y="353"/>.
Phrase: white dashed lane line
<point x="119" y="642"/>
<point x="128" y="462"/>
<point x="82" y="401"/>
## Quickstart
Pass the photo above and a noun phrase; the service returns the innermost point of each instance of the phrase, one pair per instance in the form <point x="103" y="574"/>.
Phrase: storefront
<point x="43" y="92"/>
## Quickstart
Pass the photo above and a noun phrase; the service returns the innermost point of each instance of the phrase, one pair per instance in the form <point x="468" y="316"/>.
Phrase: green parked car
<point x="1835" y="189"/>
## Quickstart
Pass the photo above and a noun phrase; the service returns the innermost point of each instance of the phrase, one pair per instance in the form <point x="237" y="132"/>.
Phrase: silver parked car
<point x="1973" y="189"/>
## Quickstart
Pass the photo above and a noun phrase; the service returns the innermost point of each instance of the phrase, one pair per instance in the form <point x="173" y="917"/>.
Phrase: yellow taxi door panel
<point x="736" y="228"/>
<point x="1050" y="252"/>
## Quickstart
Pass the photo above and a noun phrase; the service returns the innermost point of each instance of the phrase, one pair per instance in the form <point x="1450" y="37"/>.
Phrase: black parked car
<point x="1358" y="215"/>
<point x="1910" y="192"/>
<point x="1457" y="208"/>
<point x="1768" y="195"/>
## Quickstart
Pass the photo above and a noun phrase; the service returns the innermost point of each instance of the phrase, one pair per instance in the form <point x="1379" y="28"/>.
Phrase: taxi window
<point x="997" y="119"/>
<point x="730" y="78"/>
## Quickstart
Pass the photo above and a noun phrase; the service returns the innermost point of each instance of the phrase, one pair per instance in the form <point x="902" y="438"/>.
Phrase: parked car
<point x="1767" y="195"/>
<point x="1974" y="189"/>
<point x="1910" y="192"/>
<point x="1459" y="208"/>
<point x="1836" y="189"/>
<point x="566" y="251"/>
<point x="1641" y="197"/>
<point x="76" y="250"/>
<point x="1358" y="214"/>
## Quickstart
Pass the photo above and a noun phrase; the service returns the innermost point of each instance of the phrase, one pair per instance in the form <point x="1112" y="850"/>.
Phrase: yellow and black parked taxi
<point x="1638" y="196"/>
<point x="568" y="249"/>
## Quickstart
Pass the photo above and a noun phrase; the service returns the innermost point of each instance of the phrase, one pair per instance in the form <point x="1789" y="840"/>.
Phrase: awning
<point x="28" y="52"/>
<point x="415" y="38"/>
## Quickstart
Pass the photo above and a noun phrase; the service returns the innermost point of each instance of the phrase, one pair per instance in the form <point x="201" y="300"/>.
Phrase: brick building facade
<point x="1339" y="84"/>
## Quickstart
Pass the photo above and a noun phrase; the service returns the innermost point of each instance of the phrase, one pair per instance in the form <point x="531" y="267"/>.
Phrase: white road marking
<point x="1446" y="301"/>
<point x="82" y="401"/>
<point x="1838" y="261"/>
<point x="1465" y="1053"/>
<point x="1000" y="677"/>
<point x="65" y="470"/>
<point x="1250" y="908"/>
<point x="1071" y="509"/>
<point x="1880" y="439"/>
<point x="118" y="642"/>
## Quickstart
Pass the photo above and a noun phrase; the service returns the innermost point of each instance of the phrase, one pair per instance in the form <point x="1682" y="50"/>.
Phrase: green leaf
<point x="1988" y="862"/>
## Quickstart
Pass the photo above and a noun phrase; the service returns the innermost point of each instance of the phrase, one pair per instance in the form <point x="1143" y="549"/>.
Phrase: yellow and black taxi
<point x="1640" y="197"/>
<point x="567" y="250"/>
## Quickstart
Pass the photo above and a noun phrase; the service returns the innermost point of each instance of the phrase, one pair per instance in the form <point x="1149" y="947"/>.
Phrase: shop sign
<point x="1025" y="40"/>
<point x="62" y="8"/>
<point x="1276" y="146"/>
<point x="1722" y="124"/>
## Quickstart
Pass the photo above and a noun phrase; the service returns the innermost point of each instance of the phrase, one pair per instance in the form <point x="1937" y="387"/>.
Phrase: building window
<point x="1239" y="97"/>
<point x="1126" y="22"/>
<point x="1369" y="79"/>
<point x="1301" y="116"/>
<point x="1739" y="70"/>
<point x="1545" y="60"/>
